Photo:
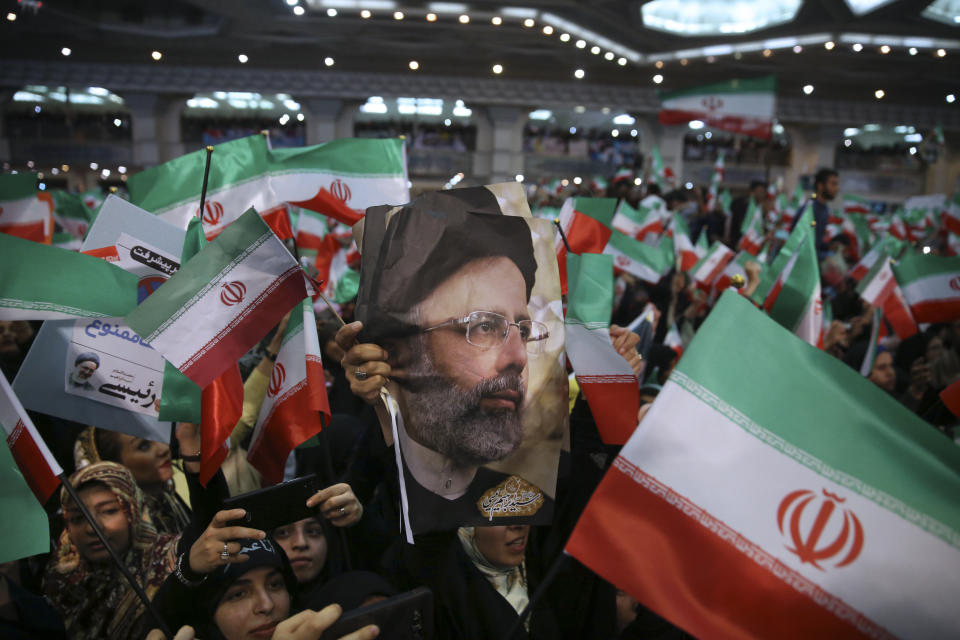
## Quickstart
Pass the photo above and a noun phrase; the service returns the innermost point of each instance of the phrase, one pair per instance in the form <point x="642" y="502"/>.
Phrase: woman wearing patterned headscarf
<point x="81" y="581"/>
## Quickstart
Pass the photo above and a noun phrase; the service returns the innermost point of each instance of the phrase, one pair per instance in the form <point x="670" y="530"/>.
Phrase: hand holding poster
<point x="466" y="301"/>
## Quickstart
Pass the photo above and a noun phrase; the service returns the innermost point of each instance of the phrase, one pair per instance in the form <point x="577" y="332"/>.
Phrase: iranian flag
<point x="735" y="267"/>
<point x="710" y="266"/>
<point x="740" y="106"/>
<point x="752" y="233"/>
<point x="715" y="181"/>
<point x="855" y="204"/>
<point x="586" y="226"/>
<point x="296" y="396"/>
<point x="951" y="214"/>
<point x="745" y="504"/>
<point x="638" y="259"/>
<point x="888" y="246"/>
<point x="71" y="213"/>
<point x="637" y="223"/>
<point x="684" y="251"/>
<point x="879" y="288"/>
<point x="931" y="285"/>
<point x="24" y="212"/>
<point x="794" y="300"/>
<point x="673" y="340"/>
<point x="48" y="283"/>
<point x="340" y="179"/>
<point x="607" y="381"/>
<point x="313" y="231"/>
<point x="222" y="301"/>
<point x="769" y="276"/>
<point x="38" y="466"/>
<point x="659" y="176"/>
<point x="239" y="179"/>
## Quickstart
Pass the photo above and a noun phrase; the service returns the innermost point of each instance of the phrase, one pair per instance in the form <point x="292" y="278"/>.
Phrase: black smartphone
<point x="278" y="505"/>
<point x="407" y="616"/>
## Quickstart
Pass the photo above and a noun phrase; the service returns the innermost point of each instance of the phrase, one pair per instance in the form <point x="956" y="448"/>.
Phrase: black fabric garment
<point x="431" y="512"/>
<point x="206" y="501"/>
<point x="28" y="616"/>
<point x="821" y="215"/>
<point x="738" y="211"/>
<point x="466" y="606"/>
<point x="350" y="590"/>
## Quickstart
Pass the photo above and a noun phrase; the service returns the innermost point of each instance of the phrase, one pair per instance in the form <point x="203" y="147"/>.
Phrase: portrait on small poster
<point x="461" y="288"/>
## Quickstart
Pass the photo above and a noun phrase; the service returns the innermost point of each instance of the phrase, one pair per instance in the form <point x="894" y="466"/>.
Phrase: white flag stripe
<point x="810" y="325"/>
<point x="753" y="104"/>
<point x="14" y="417"/>
<point x="202" y="318"/>
<point x="594" y="355"/>
<point x="234" y="199"/>
<point x="631" y="266"/>
<point x="297" y="185"/>
<point x="930" y="288"/>
<point x="666" y="445"/>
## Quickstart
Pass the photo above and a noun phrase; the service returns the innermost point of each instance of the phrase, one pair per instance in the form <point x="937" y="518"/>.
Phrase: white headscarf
<point x="510" y="582"/>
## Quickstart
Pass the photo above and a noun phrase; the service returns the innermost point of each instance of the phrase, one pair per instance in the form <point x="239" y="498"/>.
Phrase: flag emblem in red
<point x="791" y="512"/>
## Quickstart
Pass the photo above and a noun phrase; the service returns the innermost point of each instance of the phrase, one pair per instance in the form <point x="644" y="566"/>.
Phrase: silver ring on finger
<point x="343" y="510"/>
<point x="225" y="554"/>
<point x="360" y="374"/>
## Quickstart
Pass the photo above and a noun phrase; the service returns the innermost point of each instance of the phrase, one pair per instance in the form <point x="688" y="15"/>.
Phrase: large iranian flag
<point x="740" y="106"/>
<point x="931" y="285"/>
<point x="879" y="288"/>
<point x="606" y="379"/>
<point x="637" y="258"/>
<point x="296" y="396"/>
<point x="222" y="301"/>
<point x="40" y="282"/>
<point x="637" y="223"/>
<point x="794" y="300"/>
<point x="745" y="505"/>
<point x="711" y="265"/>
<point x="25" y="212"/>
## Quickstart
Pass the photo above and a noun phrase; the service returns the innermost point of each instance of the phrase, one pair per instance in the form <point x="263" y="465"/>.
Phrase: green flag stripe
<point x="590" y="283"/>
<point x="16" y="186"/>
<point x="359" y="157"/>
<point x="915" y="265"/>
<point x="601" y="209"/>
<point x="879" y="449"/>
<point x="767" y="84"/>
<point x="798" y="288"/>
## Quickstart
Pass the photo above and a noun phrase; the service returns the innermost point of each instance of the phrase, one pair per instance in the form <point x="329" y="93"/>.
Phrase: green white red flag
<point x="222" y="301"/>
<point x="735" y="267"/>
<point x="855" y="204"/>
<point x="685" y="253"/>
<point x="38" y="466"/>
<point x="715" y="179"/>
<point x="951" y="214"/>
<point x="866" y="367"/>
<point x="296" y="396"/>
<point x="659" y="176"/>
<point x="646" y="262"/>
<point x="71" y="213"/>
<point x="879" y="288"/>
<point x="888" y="246"/>
<point x="740" y="106"/>
<point x="673" y="339"/>
<point x="41" y="282"/>
<point x="637" y="223"/>
<point x="606" y="379"/>
<point x="745" y="504"/>
<point x="931" y="285"/>
<point x="794" y="300"/>
<point x="586" y="225"/>
<point x="25" y="212"/>
<point x="752" y="232"/>
<point x="711" y="265"/>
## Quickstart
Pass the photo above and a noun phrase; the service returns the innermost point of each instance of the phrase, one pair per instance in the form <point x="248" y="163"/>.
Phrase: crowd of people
<point x="208" y="575"/>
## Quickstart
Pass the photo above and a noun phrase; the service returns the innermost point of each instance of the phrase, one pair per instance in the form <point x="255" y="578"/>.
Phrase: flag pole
<point x="113" y="555"/>
<point x="327" y="461"/>
<point x="563" y="236"/>
<point x="206" y="176"/>
<point x="537" y="595"/>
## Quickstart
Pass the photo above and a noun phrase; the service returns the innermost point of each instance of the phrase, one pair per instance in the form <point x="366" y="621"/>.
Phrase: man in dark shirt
<point x="826" y="184"/>
<point x="738" y="210"/>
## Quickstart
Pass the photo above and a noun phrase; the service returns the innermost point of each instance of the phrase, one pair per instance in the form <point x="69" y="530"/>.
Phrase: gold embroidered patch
<point x="512" y="497"/>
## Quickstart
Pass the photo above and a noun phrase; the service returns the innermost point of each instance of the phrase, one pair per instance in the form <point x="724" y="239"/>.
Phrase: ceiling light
<point x="573" y="130"/>
<point x="298" y="10"/>
<point x="577" y="180"/>
<point x="65" y="51"/>
<point x="498" y="68"/>
<point x="117" y="122"/>
<point x="548" y="30"/>
<point x="829" y="45"/>
<point x="581" y="44"/>
<point x="528" y="22"/>
<point x="284" y="119"/>
<point x="414" y="65"/>
<point x="711" y="59"/>
<point x="621" y="61"/>
<point x="94" y="166"/>
<point x="292" y="2"/>
<point x="431" y="17"/>
<point x="797" y="48"/>
<point x="637" y="181"/>
<point x="156" y="55"/>
<point x="564" y="182"/>
<point x="658" y="64"/>
<point x="446" y="122"/>
<point x="683" y="62"/>
<point x="579" y="108"/>
<point x="243" y="58"/>
<point x="299" y="117"/>
<point x="624" y="119"/>
<point x="808" y="89"/>
<point x="885" y="49"/>
<point x="941" y="53"/>
<point x="398" y="15"/>
<point x="564" y="37"/>
<point x="365" y="14"/>
<point x="64" y="168"/>
<point x="696" y="124"/>
<point x="657" y="79"/>
<point x="121" y="169"/>
<point x="767" y="53"/>
<point x="605" y="110"/>
<point x="464" y="19"/>
<point x="879" y="93"/>
<point x="496" y="21"/>
<point x="633" y="133"/>
<point x="578" y="74"/>
<point x="951" y="98"/>
<point x="913" y="151"/>
<point x="519" y="177"/>
<point x="328" y="61"/>
<point x="332" y="12"/>
<point x="12" y="17"/>
<point x="594" y="49"/>
<point x="857" y="47"/>
<point x="608" y="55"/>
<point x="912" y="51"/>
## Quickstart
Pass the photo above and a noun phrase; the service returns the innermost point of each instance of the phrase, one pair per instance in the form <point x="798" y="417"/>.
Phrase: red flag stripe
<point x="329" y="205"/>
<point x="614" y="403"/>
<point x="220" y="409"/>
<point x="33" y="465"/>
